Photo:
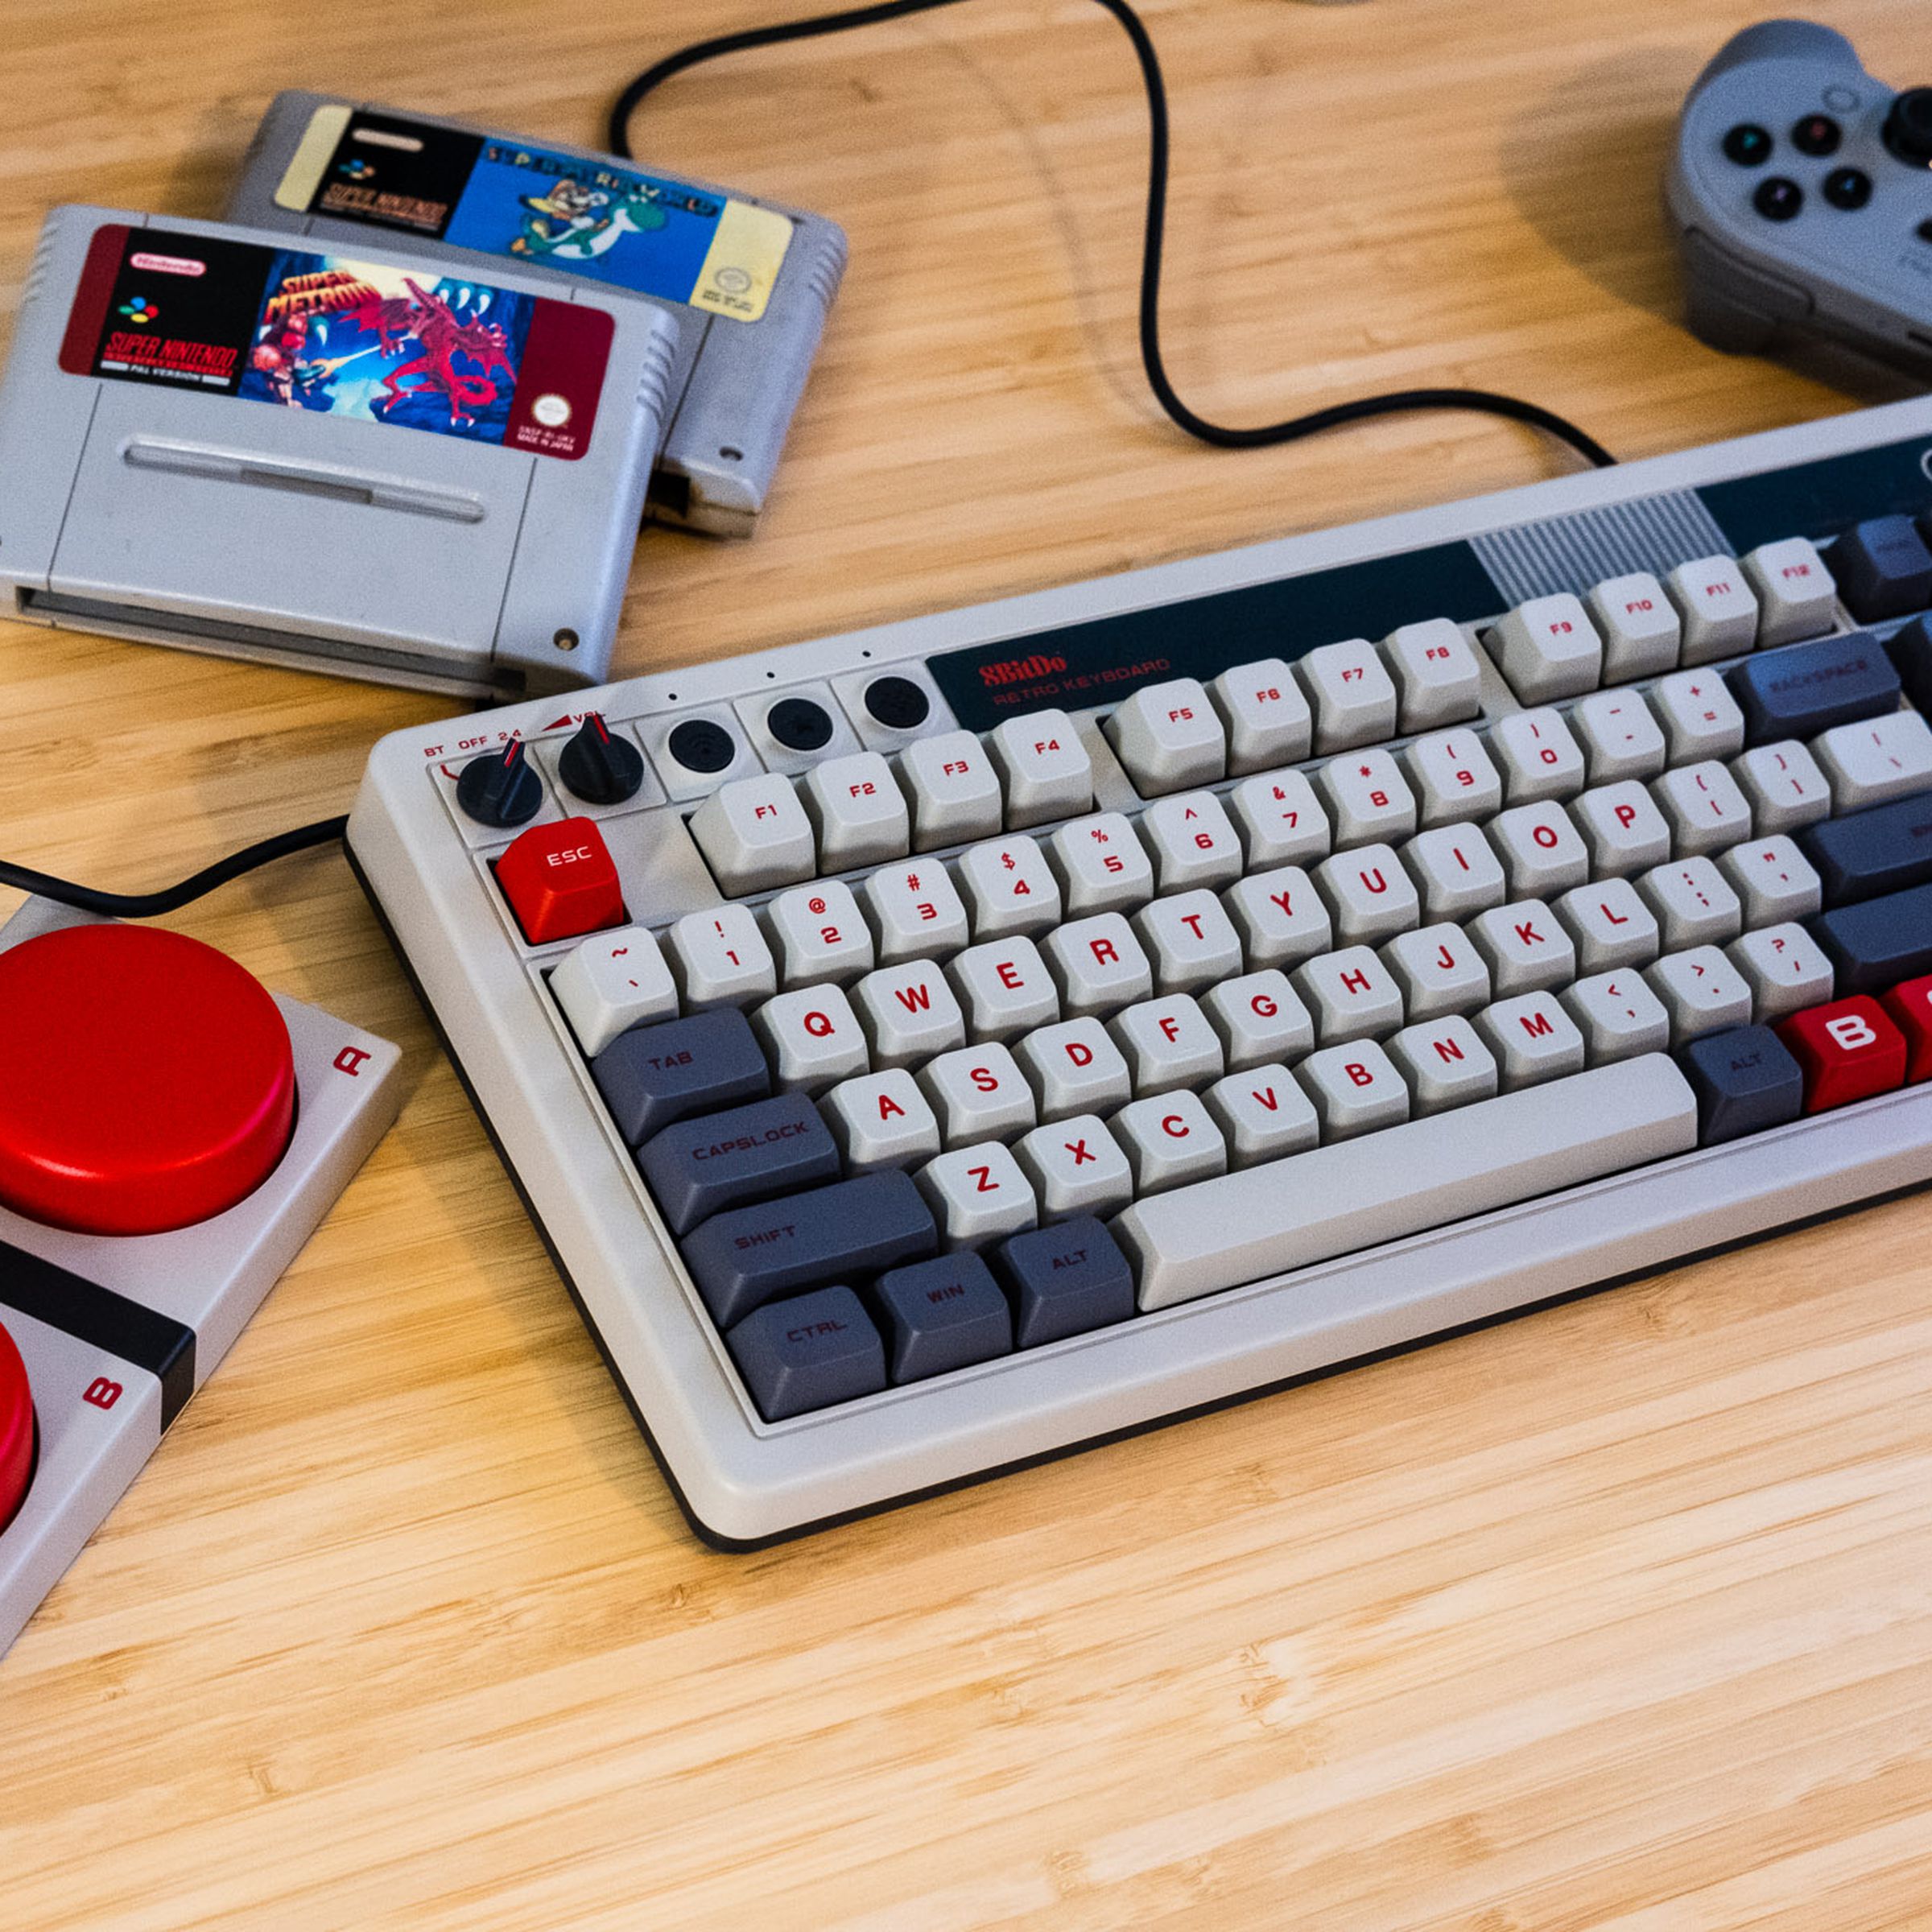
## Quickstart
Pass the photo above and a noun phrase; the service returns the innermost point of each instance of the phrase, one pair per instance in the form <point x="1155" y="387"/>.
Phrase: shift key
<point x="699" y="1167"/>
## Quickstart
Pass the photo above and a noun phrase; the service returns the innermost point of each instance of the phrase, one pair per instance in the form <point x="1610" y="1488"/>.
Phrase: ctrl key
<point x="808" y="1353"/>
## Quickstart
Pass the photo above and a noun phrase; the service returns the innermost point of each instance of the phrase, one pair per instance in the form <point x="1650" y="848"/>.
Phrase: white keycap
<point x="1639" y="626"/>
<point x="952" y="788"/>
<point x="1440" y="970"/>
<point x="1437" y="678"/>
<point x="1796" y="597"/>
<point x="1444" y="1063"/>
<point x="754" y="834"/>
<point x="1785" y="970"/>
<point x="1453" y="777"/>
<point x="914" y="911"/>
<point x="1456" y="871"/>
<point x="1168" y="1042"/>
<point x="1702" y="991"/>
<point x="1075" y="1067"/>
<point x="1280" y="917"/>
<point x="812" y="1037"/>
<point x="977" y="1194"/>
<point x="1533" y="1038"/>
<point x="1369" y="894"/>
<point x="881" y="1120"/>
<point x="1098" y="964"/>
<point x="978" y="1093"/>
<point x="820" y="934"/>
<point x="1355" y="1089"/>
<point x="611" y="983"/>
<point x="1005" y="988"/>
<point x="1537" y="755"/>
<point x="1525" y="948"/>
<point x="1774" y="879"/>
<point x="1191" y="939"/>
<point x="1700" y="717"/>
<point x="1548" y="648"/>
<point x="1352" y="995"/>
<point x="1621" y="1017"/>
<point x="1877" y="759"/>
<point x="1784" y="786"/>
<point x="721" y="959"/>
<point x="1260" y="1018"/>
<point x="1693" y="904"/>
<point x="1542" y="852"/>
<point x="1170" y="1140"/>
<point x="1620" y="737"/>
<point x="910" y="1012"/>
<point x="1045" y="767"/>
<point x="1610" y="925"/>
<point x="1009" y="888"/>
<point x="1625" y="832"/>
<point x="1075" y="1167"/>
<point x="1263" y="1115"/>
<point x="1352" y="693"/>
<point x="857" y="809"/>
<point x="1168" y="736"/>
<point x="1265" y="715"/>
<point x="1367" y="799"/>
<point x="1191" y="842"/>
<point x="1716" y="603"/>
<point x="1101" y="864"/>
<point x="1281" y="821"/>
<point x="1704" y="807"/>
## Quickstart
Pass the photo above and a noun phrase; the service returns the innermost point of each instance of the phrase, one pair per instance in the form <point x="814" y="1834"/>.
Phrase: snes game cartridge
<point x="747" y="283"/>
<point x="369" y="465"/>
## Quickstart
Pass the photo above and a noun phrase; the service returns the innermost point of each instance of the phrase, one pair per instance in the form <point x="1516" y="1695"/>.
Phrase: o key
<point x="1848" y="1051"/>
<point x="1911" y="1006"/>
<point x="560" y="881"/>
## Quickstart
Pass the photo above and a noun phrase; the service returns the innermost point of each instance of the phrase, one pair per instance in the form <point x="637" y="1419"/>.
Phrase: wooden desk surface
<point x="1616" y="1617"/>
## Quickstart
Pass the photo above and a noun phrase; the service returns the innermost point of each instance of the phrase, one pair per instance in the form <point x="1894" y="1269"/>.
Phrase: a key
<point x="1783" y="785"/>
<point x="1260" y="1018"/>
<point x="1716" y="603"/>
<point x="1869" y="853"/>
<point x="1355" y="1089"/>
<point x="1444" y="1063"/>
<point x="612" y="982"/>
<point x="942" y="1314"/>
<point x="952" y="789"/>
<point x="1548" y="648"/>
<point x="914" y="911"/>
<point x="1098" y="964"/>
<point x="1453" y="778"/>
<point x="1265" y="715"/>
<point x="1703" y="806"/>
<point x="1702" y="991"/>
<point x="1625" y="832"/>
<point x="1795" y="594"/>
<point x="1537" y="755"/>
<point x="1353" y="696"/>
<point x="1166" y="1043"/>
<point x="699" y="1167"/>
<point x="1784" y="968"/>
<point x="1609" y="925"/>
<point x="1456" y="872"/>
<point x="812" y="1037"/>
<point x="1440" y="972"/>
<point x="1701" y="718"/>
<point x="1809" y="688"/>
<point x="1618" y="1014"/>
<point x="811" y="1352"/>
<point x="1046" y="769"/>
<point x="1263" y="1115"/>
<point x="1876" y="760"/>
<point x="1620" y="737"/>
<point x="755" y="835"/>
<point x="909" y="1012"/>
<point x="857" y="809"/>
<point x="1075" y="1067"/>
<point x="1774" y="878"/>
<point x="1170" y="1139"/>
<point x="881" y="1120"/>
<point x="1280" y="917"/>
<point x="1883" y="569"/>
<point x="977" y="1093"/>
<point x="721" y="959"/>
<point x="1190" y="841"/>
<point x="1745" y="1081"/>
<point x="1064" y="1280"/>
<point x="1693" y="904"/>
<point x="1352" y="995"/>
<point x="1367" y="799"/>
<point x="1525" y="947"/>
<point x="1281" y="821"/>
<point x="1639" y="624"/>
<point x="1007" y="988"/>
<point x="1369" y="894"/>
<point x="819" y="935"/>
<point x="1076" y="1166"/>
<point x="1009" y="888"/>
<point x="977" y="1194"/>
<point x="1533" y="1039"/>
<point x="1848" y="1051"/>
<point x="1101" y="865"/>
<point x="1168" y="736"/>
<point x="1879" y="942"/>
<point x="1437" y="679"/>
<point x="1191" y="939"/>
<point x="1542" y="852"/>
<point x="653" y="1075"/>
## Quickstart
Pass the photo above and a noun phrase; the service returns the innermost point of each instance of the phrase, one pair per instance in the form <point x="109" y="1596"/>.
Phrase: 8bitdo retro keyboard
<point x="939" y="1047"/>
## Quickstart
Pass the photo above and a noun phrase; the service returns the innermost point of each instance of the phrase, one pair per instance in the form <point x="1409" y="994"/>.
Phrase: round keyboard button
<point x="897" y="703"/>
<point x="1848" y="188"/>
<point x="701" y="745"/>
<point x="16" y="1429"/>
<point x="1817" y="135"/>
<point x="1778" y="200"/>
<point x="1748" y="144"/>
<point x="150" y="1080"/>
<point x="798" y="725"/>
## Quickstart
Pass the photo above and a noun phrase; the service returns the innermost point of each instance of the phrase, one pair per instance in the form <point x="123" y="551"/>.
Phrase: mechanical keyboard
<point x="936" y="1047"/>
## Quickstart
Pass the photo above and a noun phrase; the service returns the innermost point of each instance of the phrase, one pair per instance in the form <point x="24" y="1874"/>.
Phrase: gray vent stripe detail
<point x="1655" y="533"/>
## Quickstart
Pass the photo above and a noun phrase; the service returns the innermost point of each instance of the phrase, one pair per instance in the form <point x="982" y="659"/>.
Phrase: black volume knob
<point x="500" y="788"/>
<point x="599" y="769"/>
<point x="1909" y="126"/>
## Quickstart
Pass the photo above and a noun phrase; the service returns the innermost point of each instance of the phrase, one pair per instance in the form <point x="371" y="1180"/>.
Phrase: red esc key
<point x="1849" y="1051"/>
<point x="560" y="881"/>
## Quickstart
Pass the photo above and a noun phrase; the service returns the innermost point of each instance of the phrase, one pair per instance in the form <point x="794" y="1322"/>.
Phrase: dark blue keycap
<point x="808" y="1353"/>
<point x="748" y="1255"/>
<point x="1803" y="689"/>
<point x="1866" y="854"/>
<point x="1064" y="1280"/>
<point x="653" y="1075"/>
<point x="699" y="1167"/>
<point x="1745" y="1080"/>
<point x="1873" y="946"/>
<point x="1883" y="569"/>
<point x="1911" y="651"/>
<point x="943" y="1314"/>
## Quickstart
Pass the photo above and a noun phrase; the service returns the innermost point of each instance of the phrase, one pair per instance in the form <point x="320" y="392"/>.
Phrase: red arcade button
<point x="148" y="1080"/>
<point x="560" y="881"/>
<point x="16" y="1429"/>
<point x="1849" y="1051"/>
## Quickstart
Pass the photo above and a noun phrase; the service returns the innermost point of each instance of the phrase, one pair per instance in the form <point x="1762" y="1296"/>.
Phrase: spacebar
<point x="1425" y="1174"/>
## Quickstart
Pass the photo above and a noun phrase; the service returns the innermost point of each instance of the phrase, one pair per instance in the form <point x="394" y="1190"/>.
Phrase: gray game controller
<point x="1802" y="194"/>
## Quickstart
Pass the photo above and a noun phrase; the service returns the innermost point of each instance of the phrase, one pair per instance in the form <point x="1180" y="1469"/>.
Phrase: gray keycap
<point x="1064" y="1280"/>
<point x="699" y="1167"/>
<point x="749" y="1256"/>
<point x="942" y="1314"/>
<point x="808" y="1353"/>
<point x="653" y="1075"/>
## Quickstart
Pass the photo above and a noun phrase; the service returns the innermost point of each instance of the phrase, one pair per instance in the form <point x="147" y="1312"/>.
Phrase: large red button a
<point x="16" y="1429"/>
<point x="1849" y="1051"/>
<point x="560" y="881"/>
<point x="146" y="1080"/>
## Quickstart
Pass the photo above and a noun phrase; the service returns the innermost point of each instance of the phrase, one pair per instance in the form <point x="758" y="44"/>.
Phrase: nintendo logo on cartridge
<point x="167" y="265"/>
<point x="1017" y="671"/>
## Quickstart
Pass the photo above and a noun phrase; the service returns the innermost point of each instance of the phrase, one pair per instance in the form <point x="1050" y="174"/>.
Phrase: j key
<point x="1870" y="852"/>
<point x="1883" y="568"/>
<point x="944" y="1313"/>
<point x="654" y="1076"/>
<point x="749" y="1256"/>
<point x="1807" y="688"/>
<point x="1064" y="1280"/>
<point x="699" y="1167"/>
<point x="1910" y="1008"/>
<point x="1878" y="943"/>
<point x="1849" y="1051"/>
<point x="1745" y="1080"/>
<point x="808" y="1353"/>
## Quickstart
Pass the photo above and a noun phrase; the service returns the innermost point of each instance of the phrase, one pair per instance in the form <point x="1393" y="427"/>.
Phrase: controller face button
<point x="1748" y="144"/>
<point x="1925" y="231"/>
<point x="1778" y="200"/>
<point x="1848" y="188"/>
<point x="1817" y="135"/>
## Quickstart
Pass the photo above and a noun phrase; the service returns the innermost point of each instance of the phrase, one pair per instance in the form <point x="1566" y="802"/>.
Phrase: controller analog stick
<point x="1909" y="126"/>
<point x="149" y="1081"/>
<point x="16" y="1429"/>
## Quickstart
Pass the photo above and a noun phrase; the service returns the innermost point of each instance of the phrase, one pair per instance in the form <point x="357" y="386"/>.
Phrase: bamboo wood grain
<point x="1619" y="1617"/>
